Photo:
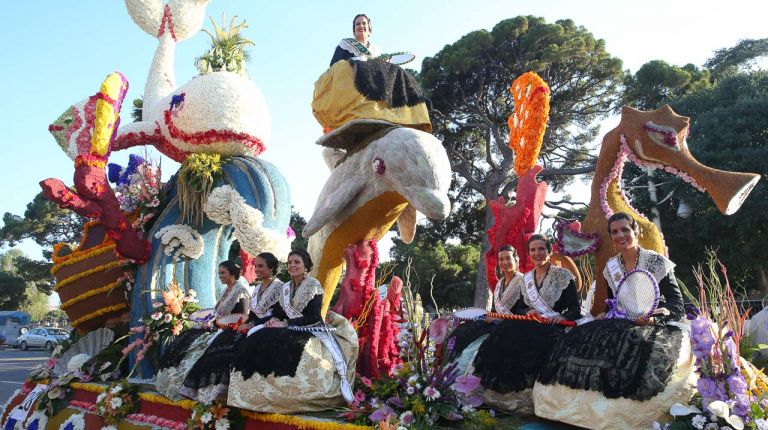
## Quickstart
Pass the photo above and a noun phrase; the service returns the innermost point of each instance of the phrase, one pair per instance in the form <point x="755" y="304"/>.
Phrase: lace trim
<point x="554" y="284"/>
<point x="659" y="266"/>
<point x="358" y="49"/>
<point x="506" y="297"/>
<point x="306" y="291"/>
<point x="227" y="303"/>
<point x="261" y="305"/>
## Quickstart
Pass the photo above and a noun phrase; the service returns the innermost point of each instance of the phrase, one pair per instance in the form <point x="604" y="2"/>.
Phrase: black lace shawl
<point x="568" y="305"/>
<point x="382" y="81"/>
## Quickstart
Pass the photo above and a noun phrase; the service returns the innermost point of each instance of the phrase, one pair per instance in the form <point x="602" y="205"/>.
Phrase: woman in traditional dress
<point x="507" y="299"/>
<point x="183" y="353"/>
<point x="297" y="362"/>
<point x="360" y="46"/>
<point x="620" y="373"/>
<point x="508" y="361"/>
<point x="209" y="377"/>
<point x="360" y="84"/>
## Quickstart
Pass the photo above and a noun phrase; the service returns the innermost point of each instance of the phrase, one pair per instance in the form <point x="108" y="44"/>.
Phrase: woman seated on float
<point x="358" y="47"/>
<point x="508" y="360"/>
<point x="621" y="373"/>
<point x="183" y="353"/>
<point x="295" y="362"/>
<point x="209" y="377"/>
<point x="354" y="88"/>
<point x="507" y="298"/>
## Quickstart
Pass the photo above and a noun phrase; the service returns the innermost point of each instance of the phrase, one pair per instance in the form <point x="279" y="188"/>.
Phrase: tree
<point x="43" y="222"/>
<point x="729" y="61"/>
<point x="12" y="290"/>
<point x="468" y="83"/>
<point x="46" y="224"/>
<point x="656" y="82"/>
<point x="450" y="268"/>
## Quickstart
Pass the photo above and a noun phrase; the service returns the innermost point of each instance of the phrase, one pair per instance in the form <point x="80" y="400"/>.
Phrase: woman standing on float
<point x="621" y="373"/>
<point x="509" y="359"/>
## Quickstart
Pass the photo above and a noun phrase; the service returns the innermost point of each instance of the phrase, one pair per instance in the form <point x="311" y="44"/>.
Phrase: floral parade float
<point x="150" y="254"/>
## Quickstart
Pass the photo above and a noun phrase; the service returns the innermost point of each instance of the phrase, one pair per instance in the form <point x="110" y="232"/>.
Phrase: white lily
<point x="721" y="409"/>
<point x="680" y="410"/>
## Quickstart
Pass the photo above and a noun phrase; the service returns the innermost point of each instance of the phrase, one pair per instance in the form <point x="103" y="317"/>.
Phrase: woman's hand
<point x="555" y="319"/>
<point x="275" y="323"/>
<point x="533" y="312"/>
<point x="245" y="327"/>
<point x="600" y="316"/>
<point x="645" y="321"/>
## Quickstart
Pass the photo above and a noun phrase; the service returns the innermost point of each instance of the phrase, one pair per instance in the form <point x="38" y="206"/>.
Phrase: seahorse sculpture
<point x="655" y="139"/>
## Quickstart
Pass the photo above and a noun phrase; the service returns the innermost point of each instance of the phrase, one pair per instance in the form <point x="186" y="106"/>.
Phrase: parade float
<point x="147" y="260"/>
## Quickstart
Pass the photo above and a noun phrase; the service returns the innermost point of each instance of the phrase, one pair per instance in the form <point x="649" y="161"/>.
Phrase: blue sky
<point x="56" y="53"/>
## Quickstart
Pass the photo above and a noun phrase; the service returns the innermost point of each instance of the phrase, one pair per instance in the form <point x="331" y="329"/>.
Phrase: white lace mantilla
<point x="357" y="49"/>
<point x="295" y="298"/>
<point x="228" y="301"/>
<point x="659" y="266"/>
<point x="552" y="288"/>
<point x="504" y="297"/>
<point x="262" y="302"/>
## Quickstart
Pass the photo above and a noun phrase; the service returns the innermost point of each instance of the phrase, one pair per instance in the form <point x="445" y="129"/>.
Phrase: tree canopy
<point x="468" y="82"/>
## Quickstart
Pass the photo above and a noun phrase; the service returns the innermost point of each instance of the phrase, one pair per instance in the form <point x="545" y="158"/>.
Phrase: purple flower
<point x="451" y="344"/>
<point x="359" y="396"/>
<point x="711" y="390"/>
<point x="381" y="414"/>
<point x="395" y="401"/>
<point x="406" y="418"/>
<point x="466" y="384"/>
<point x="691" y="312"/>
<point x="741" y="406"/>
<point x="431" y="393"/>
<point x="733" y="353"/>
<point x="701" y="338"/>
<point x="474" y="400"/>
<point x="737" y="384"/>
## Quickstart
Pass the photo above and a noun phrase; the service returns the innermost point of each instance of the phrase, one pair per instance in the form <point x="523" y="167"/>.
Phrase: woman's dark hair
<point x="623" y="215"/>
<point x="534" y="237"/>
<point x="511" y="249"/>
<point x="304" y="257"/>
<point x="271" y="261"/>
<point x="370" y="26"/>
<point x="232" y="267"/>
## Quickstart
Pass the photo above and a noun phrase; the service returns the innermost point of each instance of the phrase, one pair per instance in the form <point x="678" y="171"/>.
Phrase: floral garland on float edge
<point x="732" y="394"/>
<point x="74" y="422"/>
<point x="529" y="121"/>
<point x="423" y="389"/>
<point x="226" y="206"/>
<point x="215" y="416"/>
<point x="37" y="421"/>
<point x="118" y="400"/>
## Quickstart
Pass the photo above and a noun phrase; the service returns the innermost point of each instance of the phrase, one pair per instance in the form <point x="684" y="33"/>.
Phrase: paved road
<point x="14" y="367"/>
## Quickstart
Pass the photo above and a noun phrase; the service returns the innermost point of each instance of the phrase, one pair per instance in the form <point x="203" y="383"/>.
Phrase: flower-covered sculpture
<point x="373" y="185"/>
<point x="655" y="139"/>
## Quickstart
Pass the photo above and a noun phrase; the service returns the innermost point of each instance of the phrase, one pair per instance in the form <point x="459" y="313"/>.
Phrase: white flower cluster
<point x="181" y="241"/>
<point x="40" y="416"/>
<point x="226" y="206"/>
<point x="224" y="105"/>
<point x="74" y="422"/>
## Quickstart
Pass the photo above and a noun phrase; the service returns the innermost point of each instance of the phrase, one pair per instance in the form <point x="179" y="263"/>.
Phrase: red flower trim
<point x="167" y="20"/>
<point x="129" y="140"/>
<point x="213" y="136"/>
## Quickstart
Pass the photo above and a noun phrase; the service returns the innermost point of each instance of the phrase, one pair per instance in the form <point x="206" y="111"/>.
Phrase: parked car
<point x="43" y="337"/>
<point x="12" y="334"/>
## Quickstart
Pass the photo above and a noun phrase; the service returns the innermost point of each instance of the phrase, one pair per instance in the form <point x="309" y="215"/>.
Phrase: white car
<point x="43" y="337"/>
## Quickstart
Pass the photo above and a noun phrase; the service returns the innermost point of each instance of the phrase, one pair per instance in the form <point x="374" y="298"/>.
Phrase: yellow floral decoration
<point x="529" y="121"/>
<point x="107" y="113"/>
